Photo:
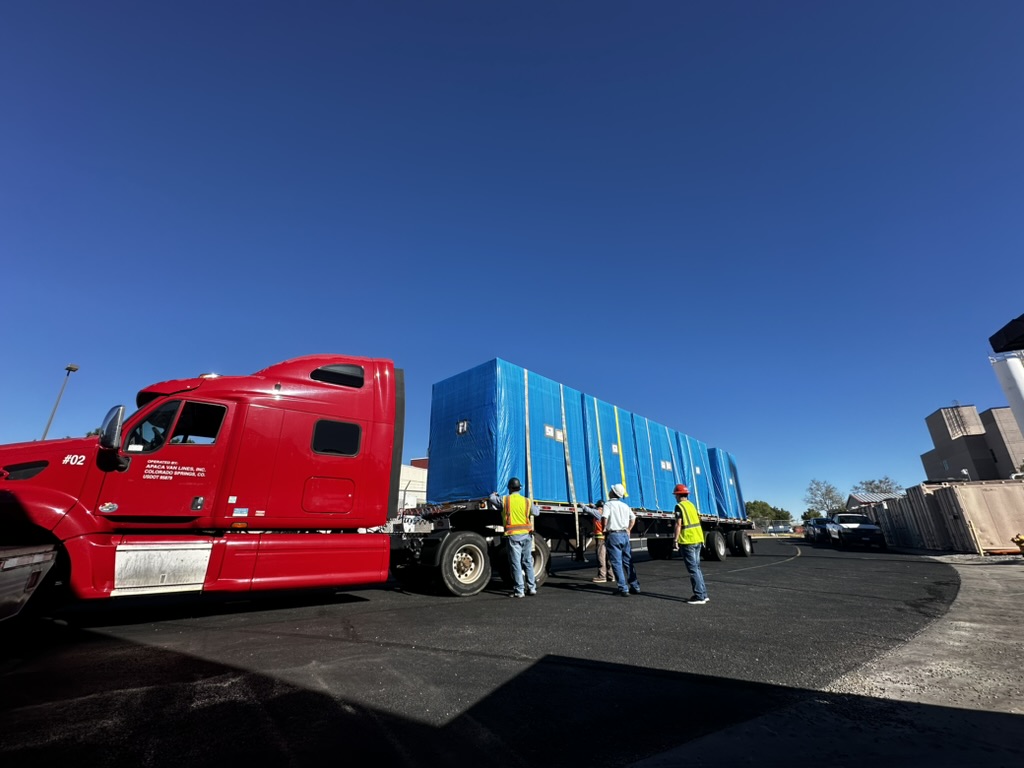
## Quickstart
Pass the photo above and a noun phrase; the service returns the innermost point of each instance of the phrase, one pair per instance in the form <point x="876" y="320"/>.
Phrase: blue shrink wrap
<point x="660" y="468"/>
<point x="697" y="470"/>
<point x="728" y="498"/>
<point x="479" y="436"/>
<point x="498" y="421"/>
<point x="613" y="449"/>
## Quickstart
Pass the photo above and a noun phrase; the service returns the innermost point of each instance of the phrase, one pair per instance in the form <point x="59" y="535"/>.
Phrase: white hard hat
<point x="618" y="490"/>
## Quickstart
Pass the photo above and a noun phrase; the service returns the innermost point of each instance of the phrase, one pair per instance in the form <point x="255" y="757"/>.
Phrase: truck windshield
<point x="854" y="520"/>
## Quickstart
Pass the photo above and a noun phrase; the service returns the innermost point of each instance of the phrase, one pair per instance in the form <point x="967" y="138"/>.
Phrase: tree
<point x="885" y="485"/>
<point x="762" y="510"/>
<point x="823" y="497"/>
<point x="810" y="514"/>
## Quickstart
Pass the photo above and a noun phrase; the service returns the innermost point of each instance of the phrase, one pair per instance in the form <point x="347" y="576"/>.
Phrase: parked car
<point x="814" y="530"/>
<point x="849" y="529"/>
<point x="779" y="528"/>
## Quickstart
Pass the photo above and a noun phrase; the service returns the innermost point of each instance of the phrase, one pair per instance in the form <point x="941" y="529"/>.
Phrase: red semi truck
<point x="284" y="479"/>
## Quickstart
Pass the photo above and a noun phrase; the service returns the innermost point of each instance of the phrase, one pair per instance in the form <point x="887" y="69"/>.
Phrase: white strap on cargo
<point x="654" y="472"/>
<point x="600" y="449"/>
<point x="529" y="466"/>
<point x="568" y="462"/>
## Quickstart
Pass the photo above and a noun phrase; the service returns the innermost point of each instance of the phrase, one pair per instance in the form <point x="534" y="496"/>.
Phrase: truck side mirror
<point x="110" y="430"/>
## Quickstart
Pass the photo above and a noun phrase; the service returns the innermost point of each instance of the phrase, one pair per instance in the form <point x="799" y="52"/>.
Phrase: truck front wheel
<point x="465" y="566"/>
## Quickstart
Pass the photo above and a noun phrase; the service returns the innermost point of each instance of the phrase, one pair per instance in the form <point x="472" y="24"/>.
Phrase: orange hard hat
<point x="681" y="490"/>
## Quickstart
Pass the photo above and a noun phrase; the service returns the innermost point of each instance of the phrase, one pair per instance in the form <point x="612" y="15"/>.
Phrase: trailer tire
<point x="465" y="567"/>
<point x="740" y="544"/>
<point x="659" y="549"/>
<point x="714" y="546"/>
<point x="541" y="558"/>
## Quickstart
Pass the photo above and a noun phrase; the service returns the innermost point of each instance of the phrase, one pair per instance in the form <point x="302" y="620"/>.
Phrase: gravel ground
<point x="971" y="658"/>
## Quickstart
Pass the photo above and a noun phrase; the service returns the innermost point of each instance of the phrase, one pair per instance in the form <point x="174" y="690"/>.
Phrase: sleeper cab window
<point x="336" y="438"/>
<point x="341" y="375"/>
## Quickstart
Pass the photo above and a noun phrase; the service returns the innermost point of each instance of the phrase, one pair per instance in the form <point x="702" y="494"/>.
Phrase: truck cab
<point x="221" y="482"/>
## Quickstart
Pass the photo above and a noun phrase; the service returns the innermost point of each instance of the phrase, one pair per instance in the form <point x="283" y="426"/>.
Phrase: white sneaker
<point x="696" y="601"/>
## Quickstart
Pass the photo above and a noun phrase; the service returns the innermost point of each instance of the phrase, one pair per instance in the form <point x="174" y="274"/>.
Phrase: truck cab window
<point x="337" y="438"/>
<point x="198" y="424"/>
<point x="151" y="433"/>
<point x="340" y="375"/>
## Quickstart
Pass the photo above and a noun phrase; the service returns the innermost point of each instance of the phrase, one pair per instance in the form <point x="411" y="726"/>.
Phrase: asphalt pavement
<point x="803" y="656"/>
<point x="952" y="695"/>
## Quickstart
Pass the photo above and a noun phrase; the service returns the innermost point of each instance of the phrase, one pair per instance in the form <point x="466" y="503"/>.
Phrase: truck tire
<point x="464" y="563"/>
<point x="541" y="556"/>
<point x="659" y="549"/>
<point x="714" y="546"/>
<point x="740" y="544"/>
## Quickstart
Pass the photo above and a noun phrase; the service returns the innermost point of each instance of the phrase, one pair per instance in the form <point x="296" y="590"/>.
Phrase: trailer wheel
<point x="464" y="563"/>
<point x="714" y="545"/>
<point x="659" y="549"/>
<point x="740" y="544"/>
<point x="541" y="556"/>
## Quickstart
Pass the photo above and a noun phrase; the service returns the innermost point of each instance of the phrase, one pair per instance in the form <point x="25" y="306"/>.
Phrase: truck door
<point x="176" y="453"/>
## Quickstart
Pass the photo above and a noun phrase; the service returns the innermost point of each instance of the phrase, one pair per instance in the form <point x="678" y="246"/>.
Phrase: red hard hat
<point x="681" y="490"/>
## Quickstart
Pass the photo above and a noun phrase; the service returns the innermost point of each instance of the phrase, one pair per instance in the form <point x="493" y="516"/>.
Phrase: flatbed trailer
<point x="459" y="546"/>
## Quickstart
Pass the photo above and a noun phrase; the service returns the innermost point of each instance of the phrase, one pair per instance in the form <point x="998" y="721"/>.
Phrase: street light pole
<point x="966" y="474"/>
<point x="71" y="368"/>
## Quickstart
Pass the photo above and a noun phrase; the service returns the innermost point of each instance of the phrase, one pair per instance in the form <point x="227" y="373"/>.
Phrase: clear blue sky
<point x="786" y="229"/>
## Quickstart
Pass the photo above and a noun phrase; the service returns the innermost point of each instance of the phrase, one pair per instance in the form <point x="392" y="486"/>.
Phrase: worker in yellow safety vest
<point x="689" y="539"/>
<point x="517" y="517"/>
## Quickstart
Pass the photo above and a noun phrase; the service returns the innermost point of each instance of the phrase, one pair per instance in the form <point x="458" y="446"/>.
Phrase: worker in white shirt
<point x="618" y="522"/>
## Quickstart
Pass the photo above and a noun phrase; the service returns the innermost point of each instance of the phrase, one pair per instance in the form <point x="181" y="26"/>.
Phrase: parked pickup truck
<point x="849" y="529"/>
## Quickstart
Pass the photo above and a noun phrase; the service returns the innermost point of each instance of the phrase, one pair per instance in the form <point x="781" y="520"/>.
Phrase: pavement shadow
<point x="71" y="696"/>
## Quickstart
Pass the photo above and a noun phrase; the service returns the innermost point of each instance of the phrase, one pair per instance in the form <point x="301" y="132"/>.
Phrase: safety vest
<point x="691" y="532"/>
<point x="598" y="527"/>
<point x="517" y="513"/>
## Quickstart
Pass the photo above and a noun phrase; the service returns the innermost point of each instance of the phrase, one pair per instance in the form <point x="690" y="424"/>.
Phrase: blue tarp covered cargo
<point x="727" y="484"/>
<point x="498" y="420"/>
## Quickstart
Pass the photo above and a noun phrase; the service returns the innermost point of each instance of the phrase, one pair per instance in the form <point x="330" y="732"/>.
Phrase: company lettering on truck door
<point x="175" y="452"/>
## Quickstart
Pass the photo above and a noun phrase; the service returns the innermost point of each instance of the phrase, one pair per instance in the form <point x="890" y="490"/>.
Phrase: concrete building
<point x="973" y="446"/>
<point x="412" y="486"/>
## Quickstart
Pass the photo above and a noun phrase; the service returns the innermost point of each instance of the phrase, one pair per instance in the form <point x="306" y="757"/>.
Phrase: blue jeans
<point x="520" y="558"/>
<point x="620" y="556"/>
<point x="691" y="556"/>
